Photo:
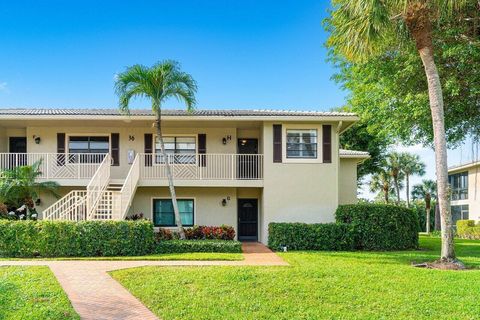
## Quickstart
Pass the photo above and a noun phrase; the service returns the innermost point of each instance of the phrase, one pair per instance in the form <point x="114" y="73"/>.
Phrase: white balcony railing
<point x="56" y="165"/>
<point x="202" y="166"/>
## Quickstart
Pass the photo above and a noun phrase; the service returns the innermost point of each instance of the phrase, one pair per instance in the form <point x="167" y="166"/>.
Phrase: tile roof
<point x="353" y="153"/>
<point x="170" y="112"/>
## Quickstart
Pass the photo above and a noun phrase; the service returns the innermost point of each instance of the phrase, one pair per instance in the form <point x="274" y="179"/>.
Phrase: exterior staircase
<point x="103" y="200"/>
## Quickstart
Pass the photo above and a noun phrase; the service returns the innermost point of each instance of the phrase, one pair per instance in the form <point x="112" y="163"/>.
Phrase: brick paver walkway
<point x="95" y="295"/>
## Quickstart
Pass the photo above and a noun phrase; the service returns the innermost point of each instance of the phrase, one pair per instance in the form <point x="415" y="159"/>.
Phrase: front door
<point x="17" y="146"/>
<point x="247" y="163"/>
<point x="247" y="219"/>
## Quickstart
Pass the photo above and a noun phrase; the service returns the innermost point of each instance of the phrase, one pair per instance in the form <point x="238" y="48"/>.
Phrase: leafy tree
<point x="381" y="181"/>
<point x="359" y="137"/>
<point x="411" y="165"/>
<point x="363" y="28"/>
<point x="158" y="83"/>
<point x="20" y="186"/>
<point x="393" y="166"/>
<point x="426" y="191"/>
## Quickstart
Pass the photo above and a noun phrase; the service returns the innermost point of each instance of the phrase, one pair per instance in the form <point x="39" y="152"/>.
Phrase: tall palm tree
<point x="381" y="182"/>
<point x="426" y="191"/>
<point x="411" y="165"/>
<point x="158" y="83"/>
<point x="362" y="28"/>
<point x="20" y="186"/>
<point x="393" y="166"/>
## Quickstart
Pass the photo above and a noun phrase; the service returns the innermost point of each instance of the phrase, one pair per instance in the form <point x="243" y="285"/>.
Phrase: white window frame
<point x="192" y="135"/>
<point x="88" y="134"/>
<point x="318" y="128"/>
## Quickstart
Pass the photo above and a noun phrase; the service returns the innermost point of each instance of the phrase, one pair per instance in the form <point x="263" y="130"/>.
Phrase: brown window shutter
<point x="202" y="149"/>
<point x="148" y="149"/>
<point x="277" y="143"/>
<point x="60" y="149"/>
<point x="115" y="137"/>
<point x="327" y="143"/>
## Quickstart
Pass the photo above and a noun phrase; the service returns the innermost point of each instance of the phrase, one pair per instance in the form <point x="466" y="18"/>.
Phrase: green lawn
<point x="199" y="256"/>
<point x="32" y="293"/>
<point x="317" y="285"/>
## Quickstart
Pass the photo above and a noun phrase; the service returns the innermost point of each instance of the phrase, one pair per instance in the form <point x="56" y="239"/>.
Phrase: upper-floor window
<point x="180" y="149"/>
<point x="302" y="143"/>
<point x="459" y="185"/>
<point x="87" y="149"/>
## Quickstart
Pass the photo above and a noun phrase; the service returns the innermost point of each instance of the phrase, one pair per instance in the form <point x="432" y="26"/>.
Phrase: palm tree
<point x="362" y="28"/>
<point x="411" y="165"/>
<point x="20" y="186"/>
<point x="158" y="83"/>
<point x="426" y="191"/>
<point x="393" y="166"/>
<point x="381" y="182"/>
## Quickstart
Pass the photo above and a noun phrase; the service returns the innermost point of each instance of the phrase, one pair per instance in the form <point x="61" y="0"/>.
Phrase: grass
<point x="317" y="285"/>
<point x="199" y="256"/>
<point x="32" y="293"/>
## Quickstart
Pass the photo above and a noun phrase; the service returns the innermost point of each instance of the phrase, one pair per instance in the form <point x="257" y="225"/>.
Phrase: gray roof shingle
<point x="170" y="112"/>
<point x="353" y="153"/>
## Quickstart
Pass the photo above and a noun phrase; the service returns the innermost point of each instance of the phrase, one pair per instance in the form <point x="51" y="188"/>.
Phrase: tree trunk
<point x="178" y="220"/>
<point x="437" y="217"/>
<point x="428" y="204"/>
<point x="407" y="187"/>
<point x="418" y="20"/>
<point x="440" y="144"/>
<point x="385" y="193"/>
<point x="397" y="190"/>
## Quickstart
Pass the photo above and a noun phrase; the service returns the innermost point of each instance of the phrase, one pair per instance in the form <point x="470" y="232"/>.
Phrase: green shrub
<point x="187" y="246"/>
<point x="380" y="226"/>
<point x="467" y="229"/>
<point x="75" y="239"/>
<point x="318" y="236"/>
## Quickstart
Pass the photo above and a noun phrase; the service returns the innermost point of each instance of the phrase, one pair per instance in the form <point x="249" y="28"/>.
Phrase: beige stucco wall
<point x="473" y="200"/>
<point x="347" y="181"/>
<point x="298" y="191"/>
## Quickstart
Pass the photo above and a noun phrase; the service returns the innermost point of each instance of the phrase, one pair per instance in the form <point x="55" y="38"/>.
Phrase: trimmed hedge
<point x="357" y="227"/>
<point x="186" y="246"/>
<point x="467" y="229"/>
<point x="380" y="226"/>
<point x="318" y="236"/>
<point x="75" y="239"/>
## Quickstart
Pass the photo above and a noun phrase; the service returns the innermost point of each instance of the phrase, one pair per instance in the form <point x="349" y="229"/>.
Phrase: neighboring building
<point x="464" y="181"/>
<point x="242" y="168"/>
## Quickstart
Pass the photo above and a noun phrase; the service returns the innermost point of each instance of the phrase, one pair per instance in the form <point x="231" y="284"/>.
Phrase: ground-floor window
<point x="459" y="213"/>
<point x="163" y="215"/>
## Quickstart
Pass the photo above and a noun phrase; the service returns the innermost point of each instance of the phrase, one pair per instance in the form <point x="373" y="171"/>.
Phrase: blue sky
<point x="243" y="54"/>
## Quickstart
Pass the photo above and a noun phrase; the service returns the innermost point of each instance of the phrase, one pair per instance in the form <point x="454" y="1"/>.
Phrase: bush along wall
<point x="357" y="227"/>
<point x="467" y="229"/>
<point x="75" y="239"/>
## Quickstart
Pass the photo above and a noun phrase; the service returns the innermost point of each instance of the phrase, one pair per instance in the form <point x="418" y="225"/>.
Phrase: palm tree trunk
<point x="427" y="224"/>
<point x="385" y="192"/>
<point x="418" y="21"/>
<point x="436" y="105"/>
<point x="397" y="190"/>
<point x="407" y="187"/>
<point x="178" y="220"/>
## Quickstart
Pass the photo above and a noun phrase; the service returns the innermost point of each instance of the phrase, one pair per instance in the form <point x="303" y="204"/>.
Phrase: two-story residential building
<point x="464" y="181"/>
<point x="244" y="168"/>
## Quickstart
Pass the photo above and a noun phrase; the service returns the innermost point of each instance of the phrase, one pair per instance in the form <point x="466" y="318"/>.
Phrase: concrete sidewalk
<point x="95" y="295"/>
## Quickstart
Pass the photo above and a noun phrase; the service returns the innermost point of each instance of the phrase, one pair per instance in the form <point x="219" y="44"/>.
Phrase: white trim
<point x="68" y="135"/>
<point x="170" y="198"/>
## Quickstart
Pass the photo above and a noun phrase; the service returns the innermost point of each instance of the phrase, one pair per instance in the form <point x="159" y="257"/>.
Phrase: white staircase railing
<point x="97" y="185"/>
<point x="129" y="187"/>
<point x="70" y="207"/>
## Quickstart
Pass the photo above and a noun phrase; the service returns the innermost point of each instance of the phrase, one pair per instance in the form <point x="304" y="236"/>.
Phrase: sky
<point x="243" y="54"/>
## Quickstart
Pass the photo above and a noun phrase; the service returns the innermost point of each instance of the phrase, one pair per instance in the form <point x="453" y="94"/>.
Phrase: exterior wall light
<point x="224" y="202"/>
<point x="37" y="139"/>
<point x="226" y="139"/>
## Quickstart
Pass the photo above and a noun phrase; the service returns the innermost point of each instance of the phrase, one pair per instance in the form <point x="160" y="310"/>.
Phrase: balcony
<point x="187" y="169"/>
<point x="56" y="166"/>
